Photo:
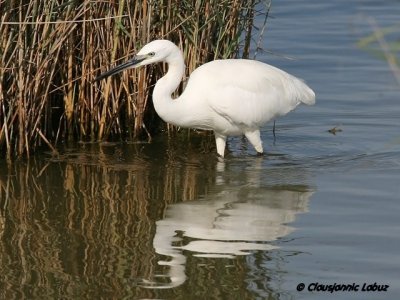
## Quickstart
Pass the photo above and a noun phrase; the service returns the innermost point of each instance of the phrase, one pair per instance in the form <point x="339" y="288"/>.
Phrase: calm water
<point x="167" y="220"/>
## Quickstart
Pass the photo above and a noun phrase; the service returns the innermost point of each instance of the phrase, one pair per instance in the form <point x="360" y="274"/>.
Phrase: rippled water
<point x="167" y="220"/>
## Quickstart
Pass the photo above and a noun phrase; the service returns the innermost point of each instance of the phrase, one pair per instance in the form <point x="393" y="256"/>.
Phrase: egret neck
<point x="167" y="108"/>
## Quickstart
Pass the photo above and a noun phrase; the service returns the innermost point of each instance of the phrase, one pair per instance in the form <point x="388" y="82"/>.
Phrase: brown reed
<point x="50" y="52"/>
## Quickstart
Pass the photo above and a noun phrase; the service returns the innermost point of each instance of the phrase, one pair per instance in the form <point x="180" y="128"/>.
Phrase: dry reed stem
<point x="389" y="56"/>
<point x="50" y="52"/>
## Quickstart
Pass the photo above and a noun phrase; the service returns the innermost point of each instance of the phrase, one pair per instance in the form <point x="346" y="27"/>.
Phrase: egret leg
<point x="220" y="141"/>
<point x="255" y="140"/>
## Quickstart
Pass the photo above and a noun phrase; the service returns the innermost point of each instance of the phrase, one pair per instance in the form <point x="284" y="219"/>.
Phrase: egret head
<point x="153" y="52"/>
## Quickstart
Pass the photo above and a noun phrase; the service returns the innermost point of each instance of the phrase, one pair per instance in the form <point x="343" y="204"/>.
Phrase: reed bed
<point x="50" y="52"/>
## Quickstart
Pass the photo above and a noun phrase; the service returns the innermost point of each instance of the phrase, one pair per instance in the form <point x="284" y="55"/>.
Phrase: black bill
<point x="129" y="64"/>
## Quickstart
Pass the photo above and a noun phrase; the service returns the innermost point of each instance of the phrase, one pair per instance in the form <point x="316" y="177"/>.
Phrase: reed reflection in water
<point x="111" y="222"/>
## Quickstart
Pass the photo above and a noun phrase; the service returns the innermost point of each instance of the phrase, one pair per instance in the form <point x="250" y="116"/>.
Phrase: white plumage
<point x="230" y="97"/>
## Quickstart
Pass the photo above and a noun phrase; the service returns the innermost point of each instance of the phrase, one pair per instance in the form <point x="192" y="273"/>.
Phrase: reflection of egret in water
<point x="232" y="222"/>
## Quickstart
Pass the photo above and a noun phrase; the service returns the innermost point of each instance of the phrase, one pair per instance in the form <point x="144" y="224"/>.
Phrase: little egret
<point x="229" y="96"/>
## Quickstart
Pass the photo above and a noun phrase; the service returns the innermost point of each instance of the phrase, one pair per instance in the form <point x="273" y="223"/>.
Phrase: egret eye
<point x="151" y="54"/>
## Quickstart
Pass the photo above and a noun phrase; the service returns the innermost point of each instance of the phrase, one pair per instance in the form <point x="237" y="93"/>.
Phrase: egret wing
<point x="248" y="92"/>
<point x="243" y="106"/>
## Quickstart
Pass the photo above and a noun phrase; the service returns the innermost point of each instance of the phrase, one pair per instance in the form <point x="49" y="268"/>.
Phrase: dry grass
<point x="50" y="51"/>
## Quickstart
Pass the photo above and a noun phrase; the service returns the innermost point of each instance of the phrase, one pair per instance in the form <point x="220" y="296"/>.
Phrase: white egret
<point x="229" y="96"/>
